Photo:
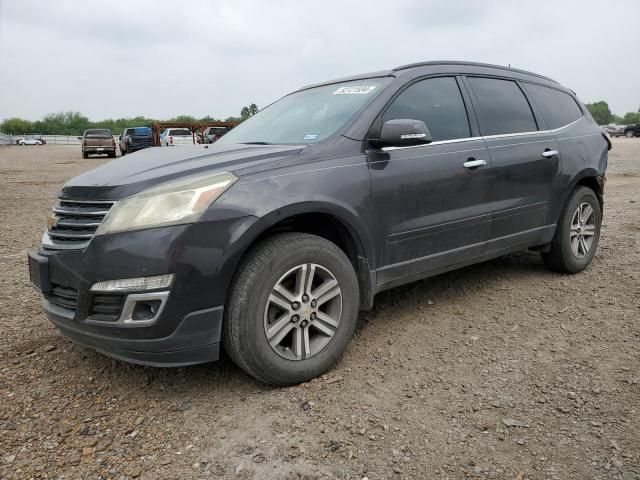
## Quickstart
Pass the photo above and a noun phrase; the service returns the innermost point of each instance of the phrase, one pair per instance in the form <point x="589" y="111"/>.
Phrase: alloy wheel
<point x="583" y="230"/>
<point x="303" y="311"/>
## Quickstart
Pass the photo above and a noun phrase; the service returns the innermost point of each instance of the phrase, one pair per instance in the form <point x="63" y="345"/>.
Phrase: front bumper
<point x="196" y="340"/>
<point x="186" y="331"/>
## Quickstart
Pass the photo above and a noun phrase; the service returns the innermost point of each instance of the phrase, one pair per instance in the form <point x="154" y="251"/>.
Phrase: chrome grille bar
<point x="73" y="223"/>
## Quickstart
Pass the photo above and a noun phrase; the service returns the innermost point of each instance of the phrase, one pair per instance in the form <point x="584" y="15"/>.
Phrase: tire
<point x="567" y="253"/>
<point x="85" y="155"/>
<point x="629" y="134"/>
<point x="251" y="314"/>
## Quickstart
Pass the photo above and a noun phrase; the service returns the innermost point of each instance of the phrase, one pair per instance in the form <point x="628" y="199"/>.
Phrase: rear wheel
<point x="629" y="133"/>
<point x="577" y="233"/>
<point x="292" y="309"/>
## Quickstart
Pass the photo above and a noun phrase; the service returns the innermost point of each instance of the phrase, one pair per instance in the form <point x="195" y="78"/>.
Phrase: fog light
<point x="134" y="284"/>
<point x="145" y="310"/>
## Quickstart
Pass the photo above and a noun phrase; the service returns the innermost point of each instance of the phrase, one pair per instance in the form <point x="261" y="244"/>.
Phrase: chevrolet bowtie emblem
<point x="52" y="221"/>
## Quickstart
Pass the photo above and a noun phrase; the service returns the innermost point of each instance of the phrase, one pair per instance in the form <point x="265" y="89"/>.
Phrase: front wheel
<point x="292" y="309"/>
<point x="577" y="233"/>
<point x="629" y="134"/>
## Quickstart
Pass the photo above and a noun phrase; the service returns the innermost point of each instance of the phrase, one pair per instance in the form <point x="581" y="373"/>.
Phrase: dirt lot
<point x="501" y="370"/>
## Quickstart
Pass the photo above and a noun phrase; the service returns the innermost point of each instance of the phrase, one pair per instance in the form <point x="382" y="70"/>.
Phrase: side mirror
<point x="402" y="132"/>
<point x="79" y="138"/>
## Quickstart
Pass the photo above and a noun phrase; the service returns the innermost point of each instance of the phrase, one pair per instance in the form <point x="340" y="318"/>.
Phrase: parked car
<point x="134" y="139"/>
<point x="30" y="141"/>
<point x="97" y="141"/>
<point x="633" y="130"/>
<point x="177" y="136"/>
<point x="211" y="134"/>
<point x="271" y="240"/>
<point x="614" y="130"/>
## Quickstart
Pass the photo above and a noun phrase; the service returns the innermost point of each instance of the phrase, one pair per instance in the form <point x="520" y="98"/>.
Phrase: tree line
<point x="601" y="113"/>
<point x="75" y="123"/>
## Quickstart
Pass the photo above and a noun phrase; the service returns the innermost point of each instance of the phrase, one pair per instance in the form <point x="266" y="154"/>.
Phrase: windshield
<point x="146" y="131"/>
<point x="307" y="116"/>
<point x="180" y="133"/>
<point x="217" y="130"/>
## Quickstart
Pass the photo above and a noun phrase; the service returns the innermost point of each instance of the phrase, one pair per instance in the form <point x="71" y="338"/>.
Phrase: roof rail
<point x="471" y="64"/>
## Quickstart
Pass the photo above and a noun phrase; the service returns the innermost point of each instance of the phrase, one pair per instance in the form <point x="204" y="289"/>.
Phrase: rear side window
<point x="502" y="107"/>
<point x="557" y="108"/>
<point x="438" y="103"/>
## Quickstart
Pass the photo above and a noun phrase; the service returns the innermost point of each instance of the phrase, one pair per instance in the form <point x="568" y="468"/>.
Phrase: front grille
<point x="106" y="307"/>
<point x="65" y="297"/>
<point x="74" y="222"/>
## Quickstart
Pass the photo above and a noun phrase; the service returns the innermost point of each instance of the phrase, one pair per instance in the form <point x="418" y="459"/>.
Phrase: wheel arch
<point x="328" y="221"/>
<point x="592" y="179"/>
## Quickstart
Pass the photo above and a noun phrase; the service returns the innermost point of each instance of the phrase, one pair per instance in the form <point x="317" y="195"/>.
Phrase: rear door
<point x="432" y="211"/>
<point x="524" y="163"/>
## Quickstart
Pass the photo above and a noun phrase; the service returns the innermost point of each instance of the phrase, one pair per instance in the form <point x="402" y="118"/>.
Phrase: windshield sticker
<point x="310" y="136"/>
<point x="355" y="90"/>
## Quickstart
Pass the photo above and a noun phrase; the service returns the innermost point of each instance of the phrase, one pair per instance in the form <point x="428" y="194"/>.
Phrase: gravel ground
<point x="500" y="370"/>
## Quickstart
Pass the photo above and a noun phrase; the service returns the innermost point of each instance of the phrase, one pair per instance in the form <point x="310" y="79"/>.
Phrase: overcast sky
<point x="110" y="59"/>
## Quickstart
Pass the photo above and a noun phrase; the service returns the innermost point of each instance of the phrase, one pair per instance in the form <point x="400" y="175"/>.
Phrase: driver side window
<point x="438" y="103"/>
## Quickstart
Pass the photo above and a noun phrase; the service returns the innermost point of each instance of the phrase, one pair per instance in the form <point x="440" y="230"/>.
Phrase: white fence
<point x="50" y="139"/>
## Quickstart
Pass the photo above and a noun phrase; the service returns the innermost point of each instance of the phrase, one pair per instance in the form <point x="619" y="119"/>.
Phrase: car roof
<point x="470" y="64"/>
<point x="440" y="66"/>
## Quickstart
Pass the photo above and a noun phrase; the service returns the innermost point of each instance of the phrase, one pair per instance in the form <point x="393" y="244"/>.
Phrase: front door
<point x="432" y="201"/>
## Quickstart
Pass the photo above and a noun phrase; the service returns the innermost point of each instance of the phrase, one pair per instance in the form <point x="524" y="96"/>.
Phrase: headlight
<point x="173" y="203"/>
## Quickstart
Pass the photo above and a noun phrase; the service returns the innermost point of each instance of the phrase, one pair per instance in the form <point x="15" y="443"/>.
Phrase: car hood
<point x="133" y="173"/>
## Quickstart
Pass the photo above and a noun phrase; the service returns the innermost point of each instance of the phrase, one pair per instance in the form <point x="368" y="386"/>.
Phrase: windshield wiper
<point x="256" y="143"/>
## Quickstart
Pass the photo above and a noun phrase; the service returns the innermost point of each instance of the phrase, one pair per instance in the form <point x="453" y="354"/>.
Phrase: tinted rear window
<point x="438" y="103"/>
<point x="502" y="107"/>
<point x="218" y="131"/>
<point x="180" y="132"/>
<point x="98" y="134"/>
<point x="557" y="108"/>
<point x="140" y="131"/>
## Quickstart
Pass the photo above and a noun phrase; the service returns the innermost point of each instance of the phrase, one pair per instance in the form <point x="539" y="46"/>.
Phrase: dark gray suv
<point x="270" y="240"/>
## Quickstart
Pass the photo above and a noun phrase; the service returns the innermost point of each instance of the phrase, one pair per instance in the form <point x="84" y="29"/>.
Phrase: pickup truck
<point x="211" y="134"/>
<point x="177" y="136"/>
<point x="632" y="130"/>
<point x="98" y="141"/>
<point x="134" y="139"/>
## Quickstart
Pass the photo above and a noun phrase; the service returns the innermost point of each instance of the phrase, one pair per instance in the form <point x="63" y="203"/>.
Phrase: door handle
<point x="473" y="163"/>
<point x="549" y="153"/>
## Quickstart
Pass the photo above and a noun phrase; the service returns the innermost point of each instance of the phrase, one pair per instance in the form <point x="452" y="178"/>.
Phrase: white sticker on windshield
<point x="310" y="136"/>
<point x="354" y="90"/>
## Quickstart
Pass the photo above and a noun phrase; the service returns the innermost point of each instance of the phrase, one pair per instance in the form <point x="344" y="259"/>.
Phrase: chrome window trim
<point x="485" y="137"/>
<point x="439" y="142"/>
